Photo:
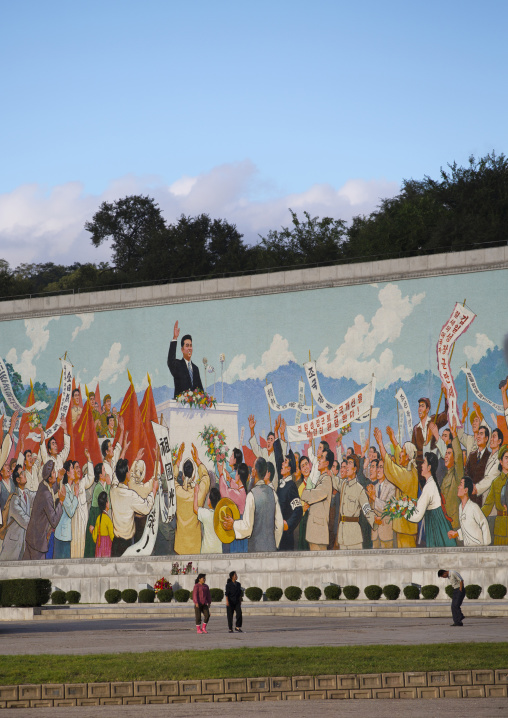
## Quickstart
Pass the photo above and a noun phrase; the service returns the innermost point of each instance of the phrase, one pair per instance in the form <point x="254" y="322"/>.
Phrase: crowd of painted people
<point x="330" y="498"/>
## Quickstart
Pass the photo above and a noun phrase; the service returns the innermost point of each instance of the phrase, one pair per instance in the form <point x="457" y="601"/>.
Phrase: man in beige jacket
<point x="353" y="500"/>
<point x="318" y="500"/>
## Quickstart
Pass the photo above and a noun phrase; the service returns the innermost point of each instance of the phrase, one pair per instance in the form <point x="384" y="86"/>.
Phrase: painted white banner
<point x="144" y="546"/>
<point x="459" y="322"/>
<point x="404" y="403"/>
<point x="301" y="400"/>
<point x="275" y="406"/>
<point x="367" y="416"/>
<point x="162" y="437"/>
<point x="65" y="401"/>
<point x="10" y="397"/>
<point x="356" y="407"/>
<point x="312" y="378"/>
<point x="474" y="386"/>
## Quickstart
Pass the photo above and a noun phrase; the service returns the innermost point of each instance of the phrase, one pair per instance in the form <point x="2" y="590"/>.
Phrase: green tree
<point x="132" y="224"/>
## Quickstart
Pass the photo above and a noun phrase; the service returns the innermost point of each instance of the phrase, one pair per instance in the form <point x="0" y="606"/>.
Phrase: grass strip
<point x="250" y="663"/>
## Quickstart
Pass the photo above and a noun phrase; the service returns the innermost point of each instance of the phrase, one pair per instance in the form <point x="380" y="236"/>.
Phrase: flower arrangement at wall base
<point x="161" y="585"/>
<point x="401" y="508"/>
<point x="180" y="568"/>
<point x="196" y="399"/>
<point x="215" y="442"/>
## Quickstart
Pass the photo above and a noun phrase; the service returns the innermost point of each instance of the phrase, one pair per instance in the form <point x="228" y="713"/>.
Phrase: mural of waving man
<point x="185" y="373"/>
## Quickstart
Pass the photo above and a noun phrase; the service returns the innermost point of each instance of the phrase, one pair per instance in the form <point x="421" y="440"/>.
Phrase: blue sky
<point x="239" y="110"/>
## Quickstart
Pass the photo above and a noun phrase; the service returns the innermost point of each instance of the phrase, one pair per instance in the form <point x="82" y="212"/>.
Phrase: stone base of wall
<point x="434" y="684"/>
<point x="92" y="577"/>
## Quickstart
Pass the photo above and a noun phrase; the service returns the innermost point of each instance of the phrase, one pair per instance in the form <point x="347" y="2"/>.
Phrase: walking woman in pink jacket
<point x="201" y="599"/>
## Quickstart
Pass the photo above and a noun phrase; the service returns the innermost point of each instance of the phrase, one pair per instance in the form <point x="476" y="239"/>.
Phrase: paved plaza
<point x="117" y="635"/>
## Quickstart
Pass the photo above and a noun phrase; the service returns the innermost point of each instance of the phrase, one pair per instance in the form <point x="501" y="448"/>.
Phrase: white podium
<point x="186" y="423"/>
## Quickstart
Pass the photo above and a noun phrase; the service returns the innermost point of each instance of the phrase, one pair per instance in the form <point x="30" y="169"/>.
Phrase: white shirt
<point x="491" y="473"/>
<point x="110" y="465"/>
<point x="243" y="527"/>
<point x="124" y="503"/>
<point x="474" y="527"/>
<point x="263" y="452"/>
<point x="430" y="498"/>
<point x="210" y="542"/>
<point x="455" y="579"/>
<point x="60" y="458"/>
<point x="33" y="477"/>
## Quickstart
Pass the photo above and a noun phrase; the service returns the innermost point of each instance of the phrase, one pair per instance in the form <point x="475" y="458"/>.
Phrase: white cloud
<point x="354" y="359"/>
<point x="112" y="366"/>
<point x="86" y="323"/>
<point x="37" y="224"/>
<point x="38" y="333"/>
<point x="476" y="352"/>
<point x="276" y="356"/>
<point x="143" y="384"/>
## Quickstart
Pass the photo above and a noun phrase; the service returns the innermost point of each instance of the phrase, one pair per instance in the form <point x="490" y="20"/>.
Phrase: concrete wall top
<point x="269" y="283"/>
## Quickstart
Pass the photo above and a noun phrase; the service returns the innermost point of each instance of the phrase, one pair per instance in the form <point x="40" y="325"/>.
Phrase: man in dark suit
<point x="477" y="461"/>
<point x="185" y="373"/>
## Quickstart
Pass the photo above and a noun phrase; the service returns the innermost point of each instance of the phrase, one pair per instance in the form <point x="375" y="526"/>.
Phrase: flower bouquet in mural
<point x="345" y="429"/>
<point x="215" y="442"/>
<point x="401" y="508"/>
<point x="197" y="399"/>
<point x="161" y="584"/>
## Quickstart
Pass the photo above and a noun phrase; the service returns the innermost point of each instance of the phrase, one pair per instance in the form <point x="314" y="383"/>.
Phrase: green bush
<point x="412" y="593"/>
<point x="273" y="593"/>
<point x="129" y="595"/>
<point x="25" y="592"/>
<point x="312" y="593"/>
<point x="391" y="592"/>
<point x="146" y="595"/>
<point x="351" y="592"/>
<point x="473" y="591"/>
<point x="449" y="591"/>
<point x="165" y="595"/>
<point x="373" y="592"/>
<point x="73" y="596"/>
<point x="182" y="595"/>
<point x="217" y="594"/>
<point x="293" y="593"/>
<point x="497" y="590"/>
<point x="113" y="595"/>
<point x="332" y="592"/>
<point x="58" y="598"/>
<point x="430" y="592"/>
<point x="254" y="593"/>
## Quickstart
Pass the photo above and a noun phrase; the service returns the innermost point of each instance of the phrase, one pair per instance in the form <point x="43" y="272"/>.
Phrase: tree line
<point x="464" y="208"/>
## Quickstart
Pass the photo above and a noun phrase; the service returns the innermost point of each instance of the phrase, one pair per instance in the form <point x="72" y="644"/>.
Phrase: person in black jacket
<point x="185" y="373"/>
<point x="289" y="498"/>
<point x="234" y="594"/>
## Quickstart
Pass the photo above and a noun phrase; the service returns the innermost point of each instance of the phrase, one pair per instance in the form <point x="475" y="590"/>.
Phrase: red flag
<point x="249" y="456"/>
<point x="84" y="437"/>
<point x="149" y="414"/>
<point x="357" y="448"/>
<point x="59" y="434"/>
<point x="26" y="428"/>
<point x="133" y="423"/>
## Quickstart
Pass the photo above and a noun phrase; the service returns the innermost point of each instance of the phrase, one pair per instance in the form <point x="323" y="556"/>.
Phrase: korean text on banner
<point x="10" y="397"/>
<point x="459" y="322"/>
<point x="474" y="386"/>
<point x="65" y="401"/>
<point x="404" y="403"/>
<point x="162" y="437"/>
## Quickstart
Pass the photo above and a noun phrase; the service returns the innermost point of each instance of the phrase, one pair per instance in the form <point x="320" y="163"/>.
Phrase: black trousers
<point x="119" y="546"/>
<point x="198" y="610"/>
<point x="457" y="598"/>
<point x="230" y="610"/>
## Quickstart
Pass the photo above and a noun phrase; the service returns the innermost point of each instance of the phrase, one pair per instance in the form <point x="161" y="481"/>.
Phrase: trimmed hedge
<point x="430" y="592"/>
<point x="312" y="593"/>
<point x="412" y="593"/>
<point x="217" y="594"/>
<point x="129" y="595"/>
<point x="254" y="593"/>
<point x="274" y="593"/>
<point x="332" y="592"/>
<point x="25" y="592"/>
<point x="449" y="591"/>
<point x="113" y="595"/>
<point x="73" y="596"/>
<point x="58" y="598"/>
<point x="473" y="591"/>
<point x="497" y="590"/>
<point x="351" y="592"/>
<point x="146" y="595"/>
<point x="165" y="595"/>
<point x="182" y="595"/>
<point x="293" y="593"/>
<point x="373" y="592"/>
<point x="391" y="592"/>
